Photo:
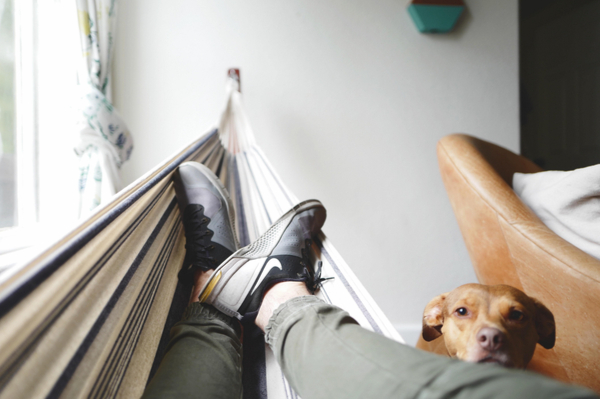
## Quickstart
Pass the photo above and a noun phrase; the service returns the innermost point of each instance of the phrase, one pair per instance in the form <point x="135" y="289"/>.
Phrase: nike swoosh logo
<point x="272" y="263"/>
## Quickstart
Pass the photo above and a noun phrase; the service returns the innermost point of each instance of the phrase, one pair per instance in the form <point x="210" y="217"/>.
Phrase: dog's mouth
<point x="496" y="359"/>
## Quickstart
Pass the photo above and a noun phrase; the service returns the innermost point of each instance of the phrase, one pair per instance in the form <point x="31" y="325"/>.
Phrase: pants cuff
<point x="287" y="314"/>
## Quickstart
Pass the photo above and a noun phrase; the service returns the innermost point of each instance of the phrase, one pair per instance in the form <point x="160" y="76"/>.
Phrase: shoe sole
<point x="261" y="248"/>
<point x="216" y="182"/>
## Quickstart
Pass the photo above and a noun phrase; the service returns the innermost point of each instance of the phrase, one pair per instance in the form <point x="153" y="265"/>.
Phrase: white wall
<point x="348" y="100"/>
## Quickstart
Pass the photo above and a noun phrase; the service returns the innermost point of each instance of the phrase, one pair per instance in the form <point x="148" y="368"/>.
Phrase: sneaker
<point x="281" y="254"/>
<point x="208" y="218"/>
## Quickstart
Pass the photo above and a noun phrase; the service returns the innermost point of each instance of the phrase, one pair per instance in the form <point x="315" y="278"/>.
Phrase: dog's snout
<point x="490" y="338"/>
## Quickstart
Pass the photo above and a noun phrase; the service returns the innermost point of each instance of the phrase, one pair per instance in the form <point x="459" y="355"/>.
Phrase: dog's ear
<point x="433" y="318"/>
<point x="544" y="325"/>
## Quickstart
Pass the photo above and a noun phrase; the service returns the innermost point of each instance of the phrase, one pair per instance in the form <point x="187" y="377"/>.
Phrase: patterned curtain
<point x="105" y="142"/>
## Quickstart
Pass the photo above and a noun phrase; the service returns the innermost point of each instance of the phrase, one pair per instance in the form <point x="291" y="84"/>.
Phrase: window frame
<point x="21" y="235"/>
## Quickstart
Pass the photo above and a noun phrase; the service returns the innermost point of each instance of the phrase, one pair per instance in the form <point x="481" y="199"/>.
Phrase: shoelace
<point x="314" y="280"/>
<point x="197" y="250"/>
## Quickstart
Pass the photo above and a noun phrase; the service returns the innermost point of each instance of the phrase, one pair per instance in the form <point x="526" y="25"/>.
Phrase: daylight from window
<point x="39" y="56"/>
<point x="7" y="115"/>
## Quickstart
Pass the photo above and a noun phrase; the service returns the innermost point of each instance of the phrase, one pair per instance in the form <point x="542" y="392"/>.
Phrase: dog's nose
<point x="490" y="338"/>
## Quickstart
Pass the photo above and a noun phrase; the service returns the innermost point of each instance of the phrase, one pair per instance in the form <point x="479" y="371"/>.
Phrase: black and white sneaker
<point x="208" y="218"/>
<point x="281" y="254"/>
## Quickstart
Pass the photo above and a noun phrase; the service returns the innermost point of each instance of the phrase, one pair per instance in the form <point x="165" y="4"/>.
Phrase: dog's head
<point x="498" y="324"/>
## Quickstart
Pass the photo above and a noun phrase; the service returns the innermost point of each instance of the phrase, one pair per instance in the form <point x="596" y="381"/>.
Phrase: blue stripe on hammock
<point x="254" y="366"/>
<point x="243" y="231"/>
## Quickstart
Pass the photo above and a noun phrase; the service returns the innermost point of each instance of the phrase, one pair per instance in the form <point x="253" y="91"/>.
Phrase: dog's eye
<point x="516" y="315"/>
<point x="462" y="311"/>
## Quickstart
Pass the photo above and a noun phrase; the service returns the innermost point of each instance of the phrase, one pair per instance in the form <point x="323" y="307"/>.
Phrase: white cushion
<point x="567" y="202"/>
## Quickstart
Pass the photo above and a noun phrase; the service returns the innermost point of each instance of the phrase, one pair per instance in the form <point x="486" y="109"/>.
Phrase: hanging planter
<point x="435" y="16"/>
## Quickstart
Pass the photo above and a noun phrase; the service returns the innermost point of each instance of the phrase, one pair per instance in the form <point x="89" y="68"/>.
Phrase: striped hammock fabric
<point x="90" y="316"/>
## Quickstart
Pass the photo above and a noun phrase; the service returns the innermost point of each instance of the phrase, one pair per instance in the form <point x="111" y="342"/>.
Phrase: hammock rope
<point x="90" y="316"/>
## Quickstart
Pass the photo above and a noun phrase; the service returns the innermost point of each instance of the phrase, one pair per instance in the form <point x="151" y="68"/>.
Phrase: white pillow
<point x="567" y="202"/>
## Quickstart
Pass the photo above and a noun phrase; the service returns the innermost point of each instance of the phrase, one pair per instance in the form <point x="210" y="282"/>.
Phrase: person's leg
<point x="324" y="353"/>
<point x="204" y="356"/>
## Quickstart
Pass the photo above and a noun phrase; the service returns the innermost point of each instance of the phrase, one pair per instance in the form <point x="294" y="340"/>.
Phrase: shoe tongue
<point x="210" y="202"/>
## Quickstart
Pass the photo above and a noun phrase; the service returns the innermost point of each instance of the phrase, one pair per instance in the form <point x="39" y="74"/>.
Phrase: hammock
<point x="90" y="316"/>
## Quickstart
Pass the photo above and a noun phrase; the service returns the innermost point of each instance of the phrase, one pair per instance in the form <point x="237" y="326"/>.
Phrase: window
<point x="7" y="116"/>
<point x="39" y="56"/>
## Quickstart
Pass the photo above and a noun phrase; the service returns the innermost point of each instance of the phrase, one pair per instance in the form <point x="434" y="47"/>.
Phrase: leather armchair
<point x="508" y="244"/>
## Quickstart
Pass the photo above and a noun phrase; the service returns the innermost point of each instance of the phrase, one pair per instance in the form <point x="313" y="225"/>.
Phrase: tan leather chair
<point x="508" y="244"/>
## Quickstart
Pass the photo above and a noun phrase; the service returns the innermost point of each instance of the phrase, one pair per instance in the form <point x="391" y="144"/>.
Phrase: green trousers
<point x="324" y="353"/>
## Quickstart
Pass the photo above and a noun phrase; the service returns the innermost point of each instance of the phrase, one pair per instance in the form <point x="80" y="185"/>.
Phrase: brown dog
<point x="487" y="324"/>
